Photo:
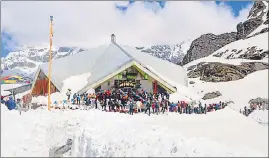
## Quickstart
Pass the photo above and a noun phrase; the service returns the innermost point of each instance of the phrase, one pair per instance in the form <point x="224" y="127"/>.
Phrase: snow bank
<point x="221" y="133"/>
<point x="75" y="83"/>
<point x="185" y="94"/>
<point x="260" y="116"/>
<point x="54" y="97"/>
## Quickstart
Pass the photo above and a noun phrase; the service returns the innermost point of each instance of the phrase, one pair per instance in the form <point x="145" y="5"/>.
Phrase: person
<point x="200" y="109"/>
<point x="75" y="97"/>
<point x="78" y="99"/>
<point x="179" y="107"/>
<point x="205" y="109"/>
<point x="222" y="105"/>
<point x="2" y="100"/>
<point x="153" y="105"/>
<point x="157" y="107"/>
<point x="163" y="106"/>
<point x="160" y="98"/>
<point x="131" y="107"/>
<point x="95" y="102"/>
<point x="19" y="105"/>
<point x="68" y="93"/>
<point x="11" y="105"/>
<point x="148" y="106"/>
<point x="245" y="111"/>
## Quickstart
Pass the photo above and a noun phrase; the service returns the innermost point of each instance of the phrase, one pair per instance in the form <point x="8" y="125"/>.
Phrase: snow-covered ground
<point x="260" y="116"/>
<point x="97" y="133"/>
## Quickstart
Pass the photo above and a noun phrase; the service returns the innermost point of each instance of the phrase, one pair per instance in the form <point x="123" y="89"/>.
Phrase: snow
<point x="240" y="91"/>
<point x="5" y="93"/>
<point x="6" y="87"/>
<point x="10" y="86"/>
<point x="23" y="72"/>
<point x="75" y="83"/>
<point x="260" y="41"/>
<point x="97" y="133"/>
<point x="262" y="26"/>
<point x="186" y="46"/>
<point x="260" y="116"/>
<point x="54" y="97"/>
<point x="222" y="60"/>
<point x="20" y="95"/>
<point x="259" y="29"/>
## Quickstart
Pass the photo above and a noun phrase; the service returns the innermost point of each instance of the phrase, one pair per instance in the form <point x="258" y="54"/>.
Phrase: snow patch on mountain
<point x="172" y="53"/>
<point x="251" y="48"/>
<point x="25" y="61"/>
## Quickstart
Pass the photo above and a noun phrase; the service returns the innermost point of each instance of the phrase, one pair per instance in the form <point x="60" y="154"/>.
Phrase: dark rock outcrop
<point x="212" y="95"/>
<point x="258" y="101"/>
<point x="191" y="82"/>
<point x="206" y="45"/>
<point x="219" y="72"/>
<point x="255" y="19"/>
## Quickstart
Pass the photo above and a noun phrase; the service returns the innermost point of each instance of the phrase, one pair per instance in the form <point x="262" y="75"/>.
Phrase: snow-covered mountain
<point x="173" y="53"/>
<point x="236" y="72"/>
<point x="257" y="21"/>
<point x="25" y="61"/>
<point x="255" y="24"/>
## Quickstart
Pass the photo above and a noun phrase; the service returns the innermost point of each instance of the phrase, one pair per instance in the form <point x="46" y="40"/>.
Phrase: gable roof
<point x="104" y="60"/>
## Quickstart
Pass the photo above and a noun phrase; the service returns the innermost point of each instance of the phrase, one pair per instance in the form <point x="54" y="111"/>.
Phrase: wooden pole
<point x="49" y="73"/>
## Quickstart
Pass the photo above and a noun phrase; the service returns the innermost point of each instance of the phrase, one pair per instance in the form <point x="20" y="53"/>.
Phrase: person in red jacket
<point x="153" y="105"/>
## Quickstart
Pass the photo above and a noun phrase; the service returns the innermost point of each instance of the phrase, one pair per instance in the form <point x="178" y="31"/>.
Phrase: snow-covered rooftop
<point x="104" y="60"/>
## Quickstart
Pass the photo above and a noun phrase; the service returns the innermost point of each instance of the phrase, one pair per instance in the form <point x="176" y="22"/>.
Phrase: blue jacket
<point x="11" y="104"/>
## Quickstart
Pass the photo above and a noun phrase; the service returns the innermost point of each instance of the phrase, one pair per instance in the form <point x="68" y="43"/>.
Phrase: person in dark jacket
<point x="163" y="106"/>
<point x="148" y="105"/>
<point x="78" y="99"/>
<point x="95" y="102"/>
<point x="131" y="110"/>
<point x="11" y="105"/>
<point x="157" y="107"/>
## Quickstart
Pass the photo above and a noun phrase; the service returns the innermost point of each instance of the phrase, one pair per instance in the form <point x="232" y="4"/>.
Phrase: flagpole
<point x="49" y="73"/>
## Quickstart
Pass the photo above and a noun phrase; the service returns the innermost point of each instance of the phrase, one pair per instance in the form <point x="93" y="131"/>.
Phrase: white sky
<point x="89" y="24"/>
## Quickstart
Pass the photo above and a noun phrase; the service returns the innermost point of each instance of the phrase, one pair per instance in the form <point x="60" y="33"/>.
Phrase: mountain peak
<point x="256" y="23"/>
<point x="27" y="58"/>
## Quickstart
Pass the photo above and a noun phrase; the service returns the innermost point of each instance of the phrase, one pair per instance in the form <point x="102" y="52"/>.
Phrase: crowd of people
<point x="131" y="101"/>
<point x="139" y="101"/>
<point x="253" y="106"/>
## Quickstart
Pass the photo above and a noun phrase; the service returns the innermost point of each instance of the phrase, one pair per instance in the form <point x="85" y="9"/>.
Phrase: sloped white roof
<point x="72" y="65"/>
<point x="104" y="60"/>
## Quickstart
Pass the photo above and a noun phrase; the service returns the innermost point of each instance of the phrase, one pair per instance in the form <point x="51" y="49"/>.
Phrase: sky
<point x="135" y="23"/>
